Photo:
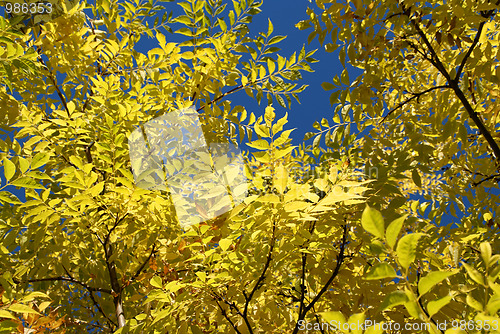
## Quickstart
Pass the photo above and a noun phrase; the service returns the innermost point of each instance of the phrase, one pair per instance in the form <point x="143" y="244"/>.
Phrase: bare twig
<point x="453" y="83"/>
<point x="469" y="52"/>
<point x="224" y="313"/>
<point x="415" y="96"/>
<point x="65" y="279"/>
<point x="140" y="269"/>
<point x="340" y="260"/>
<point x="495" y="176"/>
<point x="260" y="280"/>
<point x="420" y="299"/>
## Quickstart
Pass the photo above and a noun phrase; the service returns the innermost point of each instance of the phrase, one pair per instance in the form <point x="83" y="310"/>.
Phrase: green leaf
<point x="392" y="232"/>
<point x="7" y="197"/>
<point x="276" y="39"/>
<point x="472" y="302"/>
<point x="393" y="299"/>
<point x="406" y="249"/>
<point x="434" y="306"/>
<point x="327" y="86"/>
<point x="24" y="164"/>
<point x="9" y="169"/>
<point x="259" y="144"/>
<point x="381" y="270"/>
<point x="344" y="77"/>
<point x="431" y="279"/>
<point x="373" y="222"/>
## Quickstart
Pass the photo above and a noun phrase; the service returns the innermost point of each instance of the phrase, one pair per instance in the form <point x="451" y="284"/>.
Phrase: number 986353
<point x="17" y="8"/>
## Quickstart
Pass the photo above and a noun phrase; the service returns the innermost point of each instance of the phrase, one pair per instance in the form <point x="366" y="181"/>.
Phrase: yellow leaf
<point x="20" y="308"/>
<point x="269" y="115"/>
<point x="261" y="130"/>
<point x="9" y="169"/>
<point x="5" y="314"/>
<point x="281" y="178"/>
<point x="224" y="244"/>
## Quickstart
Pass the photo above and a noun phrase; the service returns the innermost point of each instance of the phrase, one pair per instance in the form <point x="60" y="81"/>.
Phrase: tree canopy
<point x="351" y="226"/>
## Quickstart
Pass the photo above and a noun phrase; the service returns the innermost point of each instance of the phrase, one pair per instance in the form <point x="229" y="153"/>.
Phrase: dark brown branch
<point x="221" y="96"/>
<point x="420" y="299"/>
<point x="454" y="85"/>
<point x="115" y="225"/>
<point x="469" y="52"/>
<point x="111" y="323"/>
<point x="434" y="57"/>
<point x="65" y="279"/>
<point x="340" y="261"/>
<point x="53" y="80"/>
<point x="318" y="321"/>
<point x="225" y="315"/>
<point x="88" y="154"/>
<point x="115" y="285"/>
<point x="96" y="304"/>
<point x="477" y="121"/>
<point x="140" y="269"/>
<point x="415" y="96"/>
<point x="113" y="276"/>
<point x="495" y="176"/>
<point x="260" y="280"/>
<point x="302" y="283"/>
<point x="303" y="272"/>
<point x="236" y="309"/>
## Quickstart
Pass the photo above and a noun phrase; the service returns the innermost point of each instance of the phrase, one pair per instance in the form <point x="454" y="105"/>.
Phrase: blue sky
<point x="314" y="101"/>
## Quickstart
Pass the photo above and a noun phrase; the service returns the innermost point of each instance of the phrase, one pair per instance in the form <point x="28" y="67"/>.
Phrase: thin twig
<point x="262" y="275"/>
<point x="469" y="52"/>
<point x="475" y="184"/>
<point x="454" y="84"/>
<point x="340" y="260"/>
<point x="140" y="269"/>
<point x="415" y="96"/>
<point x="65" y="279"/>
<point x="225" y="315"/>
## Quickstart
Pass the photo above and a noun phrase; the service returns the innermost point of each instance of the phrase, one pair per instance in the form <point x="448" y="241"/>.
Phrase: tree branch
<point x="415" y="96"/>
<point x="113" y="277"/>
<point x="486" y="15"/>
<point x="453" y="83"/>
<point x="262" y="275"/>
<point x="340" y="260"/>
<point x="111" y="323"/>
<point x="65" y="279"/>
<point x="420" y="303"/>
<point x="236" y="308"/>
<point x="224" y="313"/>
<point x="140" y="269"/>
<point x="221" y="96"/>
<point x="495" y="176"/>
<point x="469" y="52"/>
<point x="303" y="271"/>
<point x="53" y="80"/>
